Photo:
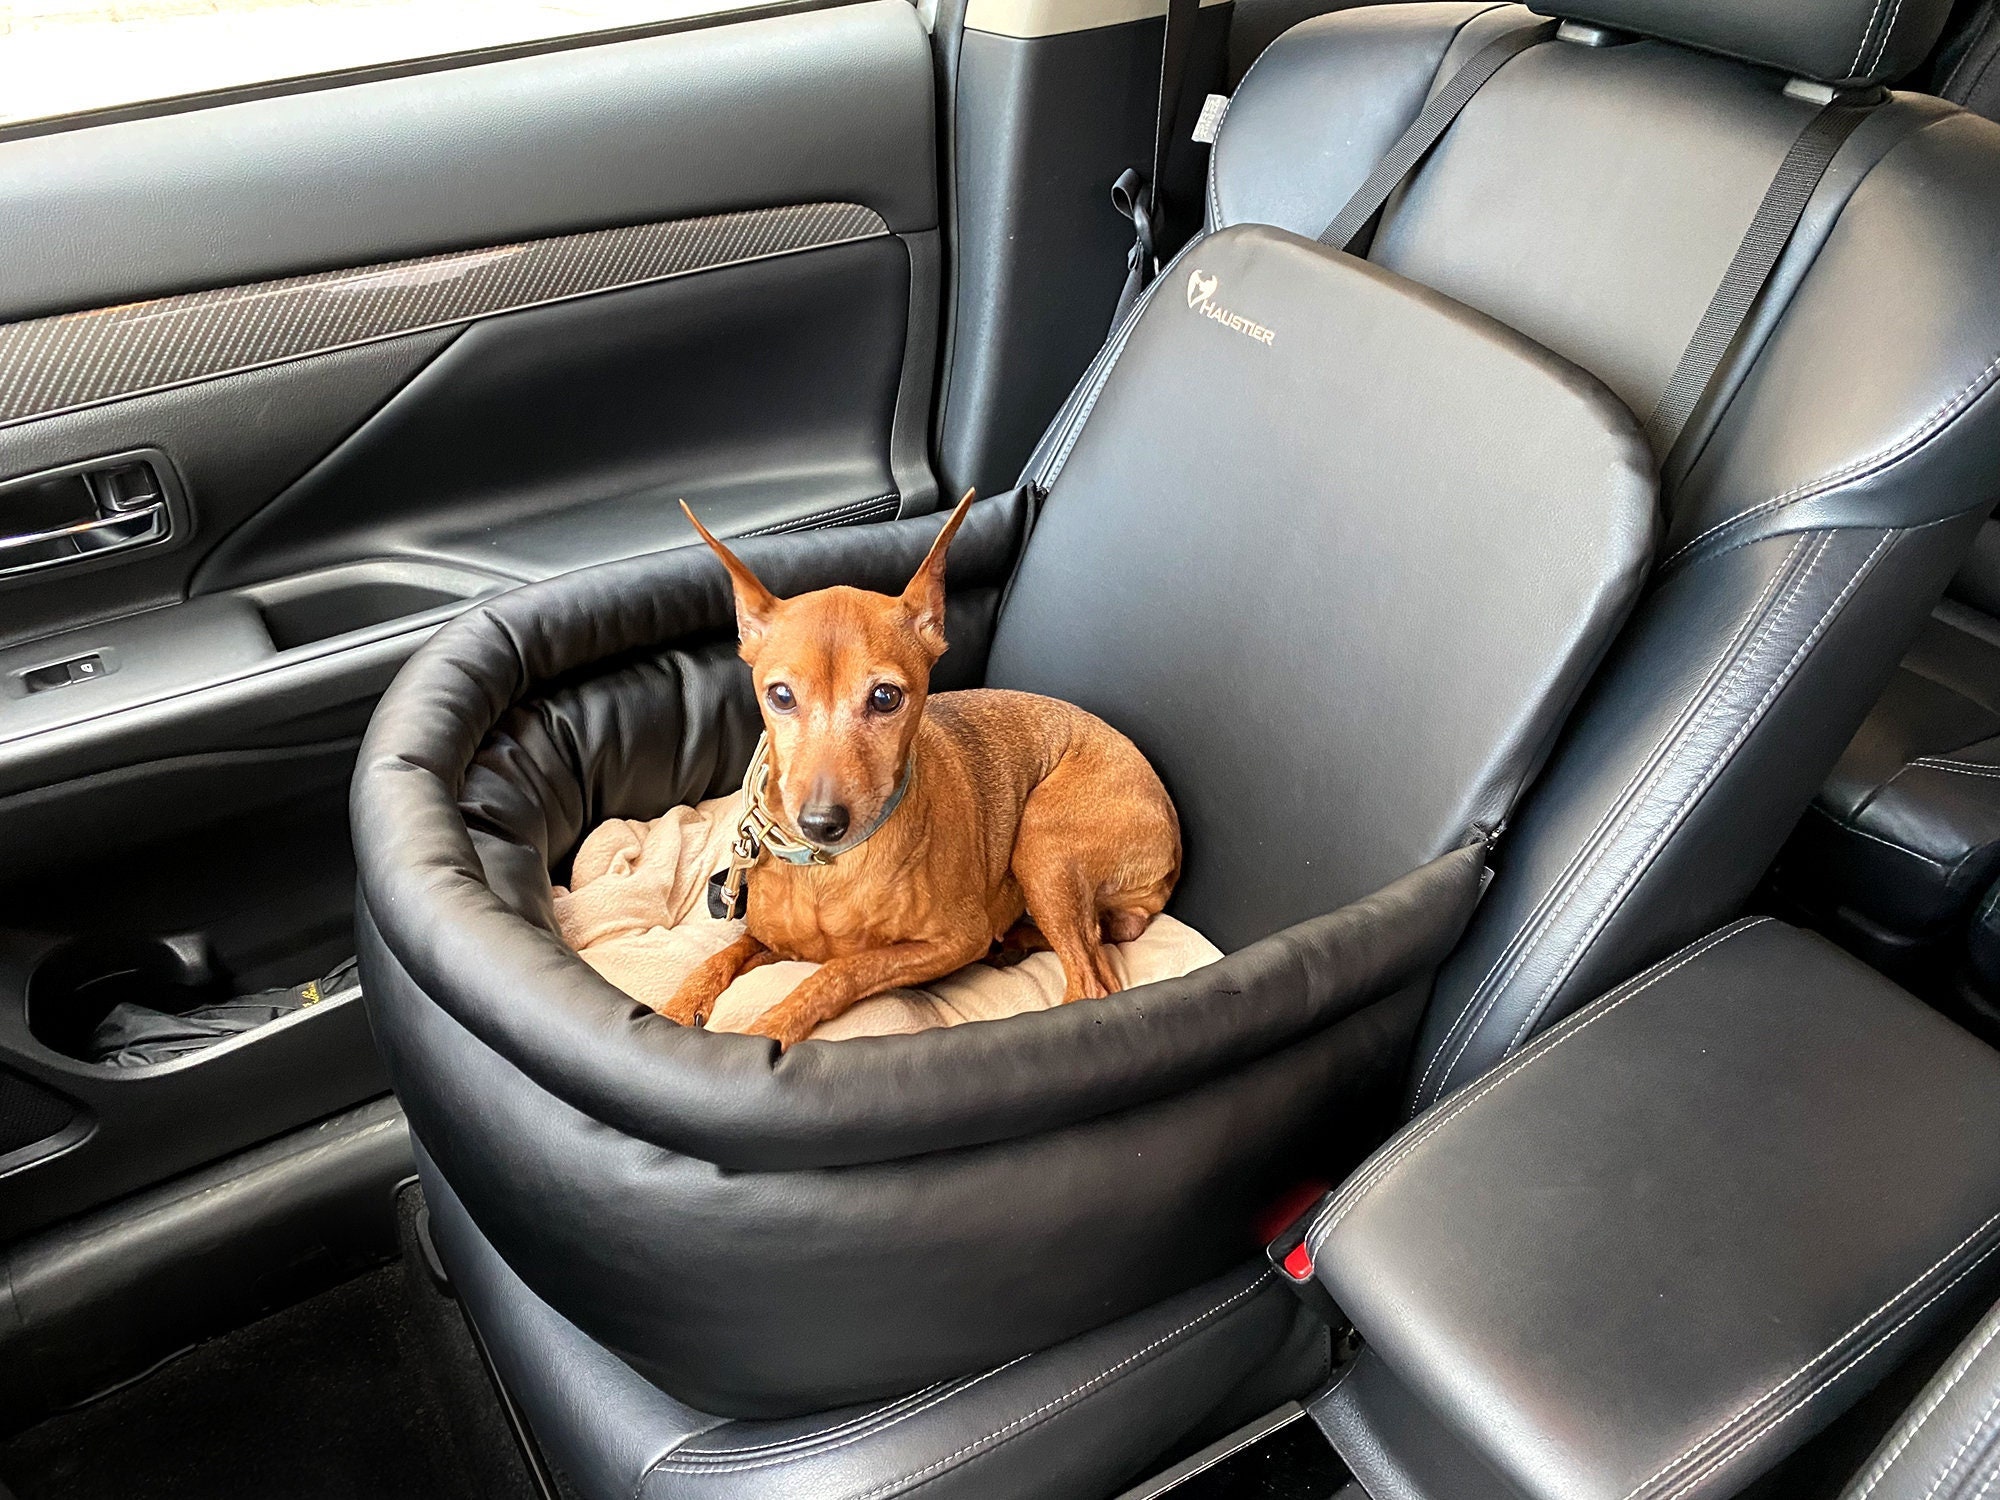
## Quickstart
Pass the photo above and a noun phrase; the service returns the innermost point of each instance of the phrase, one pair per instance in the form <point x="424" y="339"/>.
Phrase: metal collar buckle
<point x="759" y="832"/>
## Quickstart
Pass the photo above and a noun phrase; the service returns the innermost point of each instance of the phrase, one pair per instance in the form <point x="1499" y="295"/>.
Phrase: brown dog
<point x="991" y="805"/>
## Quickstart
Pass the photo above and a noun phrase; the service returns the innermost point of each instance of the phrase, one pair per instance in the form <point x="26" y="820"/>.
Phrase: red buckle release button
<point x="1299" y="1264"/>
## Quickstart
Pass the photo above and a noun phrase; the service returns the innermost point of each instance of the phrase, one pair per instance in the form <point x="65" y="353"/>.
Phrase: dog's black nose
<point x="824" y="824"/>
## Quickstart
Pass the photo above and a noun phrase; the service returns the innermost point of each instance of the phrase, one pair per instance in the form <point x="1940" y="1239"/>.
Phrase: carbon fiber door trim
<point x="71" y="360"/>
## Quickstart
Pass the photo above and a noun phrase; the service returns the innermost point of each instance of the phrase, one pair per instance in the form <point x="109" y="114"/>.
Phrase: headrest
<point x="1830" y="41"/>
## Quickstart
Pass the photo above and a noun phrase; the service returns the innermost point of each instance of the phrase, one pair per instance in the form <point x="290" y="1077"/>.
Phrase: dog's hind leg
<point x="1095" y="860"/>
<point x="1064" y="910"/>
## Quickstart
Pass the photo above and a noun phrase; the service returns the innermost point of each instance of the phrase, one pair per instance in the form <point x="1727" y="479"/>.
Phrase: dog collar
<point x="759" y="832"/>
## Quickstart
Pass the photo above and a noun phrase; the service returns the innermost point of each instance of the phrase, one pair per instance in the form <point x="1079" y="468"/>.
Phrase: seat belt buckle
<point x="1292" y="1260"/>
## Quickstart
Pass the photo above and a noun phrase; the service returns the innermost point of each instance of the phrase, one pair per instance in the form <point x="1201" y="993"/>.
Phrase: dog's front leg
<point x="840" y="982"/>
<point x="695" y="999"/>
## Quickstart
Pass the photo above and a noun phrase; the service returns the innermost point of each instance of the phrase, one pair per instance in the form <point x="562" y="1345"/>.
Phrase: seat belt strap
<point x="1771" y="229"/>
<point x="1426" y="130"/>
<point x="1137" y="198"/>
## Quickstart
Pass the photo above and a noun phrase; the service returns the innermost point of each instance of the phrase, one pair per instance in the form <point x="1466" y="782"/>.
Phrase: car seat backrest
<point x="1338" y="553"/>
<point x="1590" y="196"/>
<point x="1966" y="69"/>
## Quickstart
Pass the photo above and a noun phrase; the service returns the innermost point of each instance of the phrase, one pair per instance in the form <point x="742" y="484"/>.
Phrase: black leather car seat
<point x="1947" y="1446"/>
<point x="1903" y="839"/>
<point x="1589" y="197"/>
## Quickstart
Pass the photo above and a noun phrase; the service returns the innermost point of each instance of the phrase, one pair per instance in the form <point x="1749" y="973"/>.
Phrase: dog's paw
<point x="786" y="1031"/>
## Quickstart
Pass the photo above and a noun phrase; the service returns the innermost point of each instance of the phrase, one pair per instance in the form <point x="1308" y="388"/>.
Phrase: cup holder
<point x="76" y="985"/>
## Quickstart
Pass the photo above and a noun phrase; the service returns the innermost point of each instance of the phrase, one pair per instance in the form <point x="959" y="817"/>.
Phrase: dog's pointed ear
<point x="754" y="602"/>
<point x="924" y="596"/>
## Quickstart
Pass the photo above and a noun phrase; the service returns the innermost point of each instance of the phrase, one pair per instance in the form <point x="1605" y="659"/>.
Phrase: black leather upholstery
<point x="626" y="1167"/>
<point x="1684" y="1232"/>
<point x="1323" y="725"/>
<point x="1905" y="834"/>
<point x="1965" y="70"/>
<point x="1948" y="1445"/>
<point x="1078" y="1419"/>
<point x="906" y="1195"/>
<point x="921" y="1208"/>
<point x="1591" y="196"/>
<point x="1982" y="945"/>
<point x="1836" y="41"/>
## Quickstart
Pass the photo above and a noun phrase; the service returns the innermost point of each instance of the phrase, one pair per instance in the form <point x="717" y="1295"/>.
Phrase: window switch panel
<point x="63" y="673"/>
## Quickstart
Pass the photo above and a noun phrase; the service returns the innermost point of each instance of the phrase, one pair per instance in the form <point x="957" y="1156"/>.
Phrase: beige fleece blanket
<point x="637" y="912"/>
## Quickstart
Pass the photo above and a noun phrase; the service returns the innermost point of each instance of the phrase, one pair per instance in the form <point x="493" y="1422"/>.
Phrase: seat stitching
<point x="1894" y="451"/>
<point x="1854" y="68"/>
<point x="1530" y="929"/>
<point x="1845" y="1369"/>
<point x="1888" y="30"/>
<point x="885" y="1409"/>
<point x="1215" y="160"/>
<point x="1371" y="1176"/>
<point x="1716" y="767"/>
<point x="698" y="1462"/>
<point x="1985" y="67"/>
<point x="1963" y="767"/>
<point x="1098" y="1379"/>
<point x="1110" y="354"/>
<point x="1978" y="1429"/>
<point x="1758" y="624"/>
<point x="1759" y="621"/>
<point x="1916" y="1423"/>
<point x="1951" y="82"/>
<point x="821" y="517"/>
<point x="1876" y="838"/>
<point x="1986" y="1484"/>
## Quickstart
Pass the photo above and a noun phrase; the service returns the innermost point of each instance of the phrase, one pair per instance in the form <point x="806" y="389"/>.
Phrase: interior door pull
<point x="86" y="539"/>
<point x="104" y="506"/>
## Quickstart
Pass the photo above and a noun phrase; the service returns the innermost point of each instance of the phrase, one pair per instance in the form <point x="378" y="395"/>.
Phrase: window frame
<point x="436" y="62"/>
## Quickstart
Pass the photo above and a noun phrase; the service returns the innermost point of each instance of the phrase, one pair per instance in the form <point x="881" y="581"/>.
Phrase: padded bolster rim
<point x="736" y="1100"/>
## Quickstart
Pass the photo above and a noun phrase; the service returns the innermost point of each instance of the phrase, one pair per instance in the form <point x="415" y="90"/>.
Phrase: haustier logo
<point x="1201" y="289"/>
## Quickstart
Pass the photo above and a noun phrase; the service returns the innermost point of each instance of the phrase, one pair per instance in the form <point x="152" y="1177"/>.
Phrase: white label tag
<point x="1209" y="126"/>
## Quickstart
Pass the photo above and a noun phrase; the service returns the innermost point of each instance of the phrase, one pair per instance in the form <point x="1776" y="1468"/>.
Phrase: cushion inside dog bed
<point x="635" y="911"/>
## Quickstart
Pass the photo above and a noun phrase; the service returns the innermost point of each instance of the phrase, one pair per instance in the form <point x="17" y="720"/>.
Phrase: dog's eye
<point x="886" y="698"/>
<point x="779" y="696"/>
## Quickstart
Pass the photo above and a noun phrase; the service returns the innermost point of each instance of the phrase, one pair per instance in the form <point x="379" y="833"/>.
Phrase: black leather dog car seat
<point x="1589" y="197"/>
<point x="1336" y="551"/>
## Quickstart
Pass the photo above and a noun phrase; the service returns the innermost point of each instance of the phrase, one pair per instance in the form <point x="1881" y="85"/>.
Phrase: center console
<point x="1656" y="1250"/>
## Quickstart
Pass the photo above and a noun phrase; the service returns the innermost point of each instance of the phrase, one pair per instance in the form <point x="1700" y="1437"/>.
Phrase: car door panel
<point x="764" y="386"/>
<point x="825" y="106"/>
<point x="401" y="344"/>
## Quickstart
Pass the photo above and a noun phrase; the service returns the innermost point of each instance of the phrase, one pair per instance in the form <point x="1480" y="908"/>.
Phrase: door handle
<point x="36" y="549"/>
<point x="105" y="505"/>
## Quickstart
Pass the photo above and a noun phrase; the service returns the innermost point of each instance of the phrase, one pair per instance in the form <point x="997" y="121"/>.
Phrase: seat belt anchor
<point x="1132" y="196"/>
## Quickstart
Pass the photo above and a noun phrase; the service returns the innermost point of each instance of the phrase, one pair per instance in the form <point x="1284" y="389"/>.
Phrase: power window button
<point x="63" y="673"/>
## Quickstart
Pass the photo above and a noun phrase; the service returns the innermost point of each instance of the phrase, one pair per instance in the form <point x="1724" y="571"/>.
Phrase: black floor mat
<point x="370" y="1391"/>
